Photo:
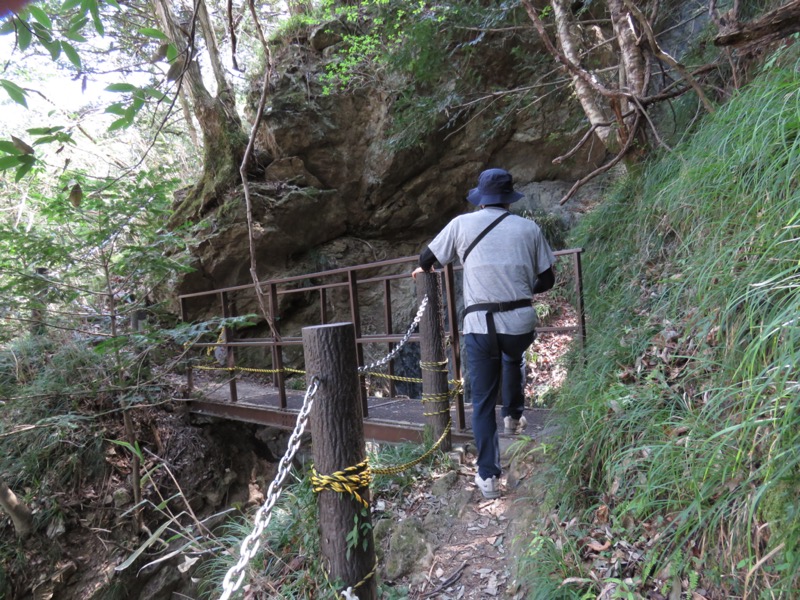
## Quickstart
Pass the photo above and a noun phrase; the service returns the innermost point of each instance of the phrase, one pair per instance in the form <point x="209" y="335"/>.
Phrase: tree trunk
<point x="635" y="68"/>
<point x="779" y="23"/>
<point x="223" y="86"/>
<point x="337" y="438"/>
<point x="223" y="138"/>
<point x="586" y="94"/>
<point x="433" y="360"/>
<point x="20" y="514"/>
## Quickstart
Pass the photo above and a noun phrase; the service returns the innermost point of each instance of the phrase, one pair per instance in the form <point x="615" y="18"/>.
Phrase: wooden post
<point x="455" y="341"/>
<point x="337" y="437"/>
<point x="435" y="393"/>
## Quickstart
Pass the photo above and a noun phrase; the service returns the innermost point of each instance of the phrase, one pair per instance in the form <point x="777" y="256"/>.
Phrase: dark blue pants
<point x="486" y="372"/>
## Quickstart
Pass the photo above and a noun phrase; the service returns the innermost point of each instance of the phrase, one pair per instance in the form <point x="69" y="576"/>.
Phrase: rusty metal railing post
<point x="355" y="313"/>
<point x="323" y="306"/>
<point x="277" y="350"/>
<point x="230" y="359"/>
<point x="189" y="370"/>
<point x="387" y="318"/>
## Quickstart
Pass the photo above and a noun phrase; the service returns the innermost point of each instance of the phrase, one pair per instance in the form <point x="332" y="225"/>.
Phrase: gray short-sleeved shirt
<point x="502" y="267"/>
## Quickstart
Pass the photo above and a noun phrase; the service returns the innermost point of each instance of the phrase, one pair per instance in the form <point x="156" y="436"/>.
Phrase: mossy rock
<point x="409" y="550"/>
<point x="780" y="506"/>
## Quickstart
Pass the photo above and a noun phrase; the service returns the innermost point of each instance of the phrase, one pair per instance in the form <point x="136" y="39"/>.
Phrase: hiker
<point x="506" y="261"/>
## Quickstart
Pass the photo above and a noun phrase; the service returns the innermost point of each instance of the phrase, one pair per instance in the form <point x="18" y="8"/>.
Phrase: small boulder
<point x="326" y="35"/>
<point x="409" y="550"/>
<point x="122" y="497"/>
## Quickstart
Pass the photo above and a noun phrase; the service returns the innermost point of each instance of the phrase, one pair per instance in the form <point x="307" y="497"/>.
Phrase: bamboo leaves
<point x="16" y="93"/>
<point x="72" y="54"/>
<point x="21" y="146"/>
<point x="76" y="195"/>
<point x="18" y="154"/>
<point x="128" y="111"/>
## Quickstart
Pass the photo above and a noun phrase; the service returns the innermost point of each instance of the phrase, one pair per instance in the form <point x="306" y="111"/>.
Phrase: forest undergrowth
<point x="677" y="471"/>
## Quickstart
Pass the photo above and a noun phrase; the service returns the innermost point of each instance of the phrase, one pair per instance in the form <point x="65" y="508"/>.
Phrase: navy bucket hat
<point x="495" y="186"/>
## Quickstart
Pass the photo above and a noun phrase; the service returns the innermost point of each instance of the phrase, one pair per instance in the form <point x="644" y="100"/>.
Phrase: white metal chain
<point x="264" y="513"/>
<point x="406" y="337"/>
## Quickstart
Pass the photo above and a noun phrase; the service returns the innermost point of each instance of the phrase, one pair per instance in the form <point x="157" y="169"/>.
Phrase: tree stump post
<point x="337" y="438"/>
<point x="433" y="360"/>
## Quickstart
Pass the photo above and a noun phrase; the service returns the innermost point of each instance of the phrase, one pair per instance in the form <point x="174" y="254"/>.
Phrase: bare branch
<point x="774" y="25"/>
<point x="232" y="33"/>
<point x="73" y="329"/>
<point x="668" y="92"/>
<point x="559" y="159"/>
<point x="587" y="85"/>
<point x="571" y="61"/>
<point x="606" y="167"/>
<point x="652" y="125"/>
<point x="660" y="54"/>
<point x="262" y="303"/>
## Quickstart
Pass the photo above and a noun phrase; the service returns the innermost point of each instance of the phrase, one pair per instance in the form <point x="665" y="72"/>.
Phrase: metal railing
<point x="352" y="280"/>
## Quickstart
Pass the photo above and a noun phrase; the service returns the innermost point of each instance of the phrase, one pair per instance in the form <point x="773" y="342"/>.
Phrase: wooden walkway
<point x="396" y="419"/>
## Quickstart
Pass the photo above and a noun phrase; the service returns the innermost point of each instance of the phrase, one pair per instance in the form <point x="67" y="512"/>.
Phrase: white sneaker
<point x="514" y="426"/>
<point x="490" y="488"/>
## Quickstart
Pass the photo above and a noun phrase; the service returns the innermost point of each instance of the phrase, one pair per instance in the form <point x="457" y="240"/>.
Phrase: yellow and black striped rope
<point x="249" y="369"/>
<point x="434" y="366"/>
<point x="435" y="397"/>
<point x="396" y="377"/>
<point x="348" y="480"/>
<point x="204" y="368"/>
<point x="244" y="369"/>
<point x="443" y="411"/>
<point x="366" y="578"/>
<point x="400" y="468"/>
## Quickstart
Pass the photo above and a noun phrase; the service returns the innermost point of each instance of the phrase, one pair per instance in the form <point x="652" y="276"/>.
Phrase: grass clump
<point x="287" y="563"/>
<point x="680" y="428"/>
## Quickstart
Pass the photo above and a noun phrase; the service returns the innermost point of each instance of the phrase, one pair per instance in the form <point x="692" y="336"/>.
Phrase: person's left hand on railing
<point x="419" y="270"/>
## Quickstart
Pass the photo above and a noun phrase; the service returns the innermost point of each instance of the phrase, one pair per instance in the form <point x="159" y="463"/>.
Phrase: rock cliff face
<point x="330" y="190"/>
<point x="329" y="177"/>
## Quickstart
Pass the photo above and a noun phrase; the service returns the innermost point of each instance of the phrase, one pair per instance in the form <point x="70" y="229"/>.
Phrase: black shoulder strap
<point x="482" y="234"/>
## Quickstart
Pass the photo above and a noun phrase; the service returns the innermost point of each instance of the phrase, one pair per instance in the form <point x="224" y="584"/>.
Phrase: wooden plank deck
<point x="390" y="419"/>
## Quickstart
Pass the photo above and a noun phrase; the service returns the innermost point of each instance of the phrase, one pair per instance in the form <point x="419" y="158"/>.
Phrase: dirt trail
<point x="474" y="544"/>
<point x="471" y="543"/>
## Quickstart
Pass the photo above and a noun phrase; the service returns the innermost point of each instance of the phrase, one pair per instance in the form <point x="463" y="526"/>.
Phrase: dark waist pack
<point x="491" y="308"/>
